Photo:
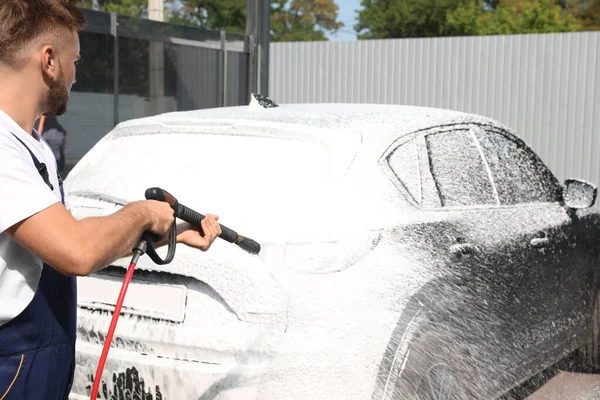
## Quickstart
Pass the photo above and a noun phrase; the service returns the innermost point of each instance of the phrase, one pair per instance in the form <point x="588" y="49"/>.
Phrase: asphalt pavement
<point x="569" y="386"/>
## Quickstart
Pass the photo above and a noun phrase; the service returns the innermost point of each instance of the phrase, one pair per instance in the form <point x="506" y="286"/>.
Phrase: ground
<point x="570" y="386"/>
<point x="566" y="380"/>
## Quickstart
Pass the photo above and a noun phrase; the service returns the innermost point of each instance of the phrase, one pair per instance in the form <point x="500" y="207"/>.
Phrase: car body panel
<point x="360" y="209"/>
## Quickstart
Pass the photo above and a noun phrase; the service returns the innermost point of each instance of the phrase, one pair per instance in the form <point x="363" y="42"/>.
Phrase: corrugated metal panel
<point x="198" y="85"/>
<point x="237" y="78"/>
<point x="544" y="86"/>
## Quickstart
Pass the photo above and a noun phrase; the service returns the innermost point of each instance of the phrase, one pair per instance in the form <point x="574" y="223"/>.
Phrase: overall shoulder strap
<point x="35" y="159"/>
<point x="43" y="170"/>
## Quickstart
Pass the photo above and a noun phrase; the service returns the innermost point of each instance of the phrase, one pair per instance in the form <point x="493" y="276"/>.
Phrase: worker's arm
<point x="81" y="247"/>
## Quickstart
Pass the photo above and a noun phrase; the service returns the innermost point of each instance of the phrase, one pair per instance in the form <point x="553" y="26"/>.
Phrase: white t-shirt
<point x="23" y="193"/>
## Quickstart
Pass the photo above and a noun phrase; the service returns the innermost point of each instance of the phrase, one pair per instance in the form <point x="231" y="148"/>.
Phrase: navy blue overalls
<point x="37" y="348"/>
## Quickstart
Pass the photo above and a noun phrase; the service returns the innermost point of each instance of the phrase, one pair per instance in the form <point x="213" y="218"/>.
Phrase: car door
<point x="554" y="277"/>
<point x="443" y="239"/>
<point x="465" y="192"/>
<point x="456" y="234"/>
<point x="467" y="239"/>
<point x="527" y="283"/>
<point x="499" y="233"/>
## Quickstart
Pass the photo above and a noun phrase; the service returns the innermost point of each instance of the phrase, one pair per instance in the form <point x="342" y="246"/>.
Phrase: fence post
<point x="115" y="35"/>
<point x="264" y="30"/>
<point x="258" y="28"/>
<point x="258" y="54"/>
<point x="251" y="73"/>
<point x="224" y="50"/>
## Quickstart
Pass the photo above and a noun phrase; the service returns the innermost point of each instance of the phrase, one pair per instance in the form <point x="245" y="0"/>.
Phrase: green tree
<point x="430" y="18"/>
<point x="302" y="20"/>
<point x="295" y="20"/>
<point x="382" y="19"/>
<point x="467" y="20"/>
<point x="587" y="13"/>
<point x="291" y="20"/>
<point x="131" y="8"/>
<point x="512" y="17"/>
<point x="213" y="14"/>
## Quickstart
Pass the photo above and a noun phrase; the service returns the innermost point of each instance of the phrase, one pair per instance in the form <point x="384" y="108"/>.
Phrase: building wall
<point x="544" y="86"/>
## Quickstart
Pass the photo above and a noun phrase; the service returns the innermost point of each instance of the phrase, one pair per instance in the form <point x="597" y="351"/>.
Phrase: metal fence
<point x="133" y="68"/>
<point x="544" y="86"/>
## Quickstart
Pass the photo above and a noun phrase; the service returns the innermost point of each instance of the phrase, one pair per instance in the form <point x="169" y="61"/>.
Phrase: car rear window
<point x="209" y="172"/>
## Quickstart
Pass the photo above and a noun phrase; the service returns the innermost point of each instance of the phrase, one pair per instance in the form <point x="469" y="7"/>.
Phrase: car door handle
<point x="540" y="242"/>
<point x="461" y="249"/>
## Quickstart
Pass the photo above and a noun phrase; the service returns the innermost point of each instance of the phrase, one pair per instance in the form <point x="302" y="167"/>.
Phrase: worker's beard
<point x="58" y="96"/>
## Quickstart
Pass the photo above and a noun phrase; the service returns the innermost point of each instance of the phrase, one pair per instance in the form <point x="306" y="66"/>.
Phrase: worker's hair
<point x="23" y="21"/>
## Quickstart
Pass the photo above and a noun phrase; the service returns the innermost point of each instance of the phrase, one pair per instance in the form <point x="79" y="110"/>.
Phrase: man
<point x="56" y="137"/>
<point x="42" y="247"/>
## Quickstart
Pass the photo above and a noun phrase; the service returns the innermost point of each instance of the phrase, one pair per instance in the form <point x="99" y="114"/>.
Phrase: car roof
<point x="323" y="121"/>
<point x="345" y="127"/>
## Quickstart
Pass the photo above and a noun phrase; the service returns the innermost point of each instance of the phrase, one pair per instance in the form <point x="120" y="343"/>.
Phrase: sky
<point x="347" y="15"/>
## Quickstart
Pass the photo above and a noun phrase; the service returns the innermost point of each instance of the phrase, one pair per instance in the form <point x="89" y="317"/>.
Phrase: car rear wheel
<point x="439" y="383"/>
<point x="418" y="362"/>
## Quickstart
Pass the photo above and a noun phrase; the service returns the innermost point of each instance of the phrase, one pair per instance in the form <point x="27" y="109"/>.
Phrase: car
<point x="407" y="253"/>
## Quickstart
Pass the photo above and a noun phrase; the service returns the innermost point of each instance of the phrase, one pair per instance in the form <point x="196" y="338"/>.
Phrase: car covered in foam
<point x="407" y="252"/>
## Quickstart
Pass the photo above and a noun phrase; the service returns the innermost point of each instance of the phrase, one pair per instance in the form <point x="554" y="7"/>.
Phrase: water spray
<point x="145" y="245"/>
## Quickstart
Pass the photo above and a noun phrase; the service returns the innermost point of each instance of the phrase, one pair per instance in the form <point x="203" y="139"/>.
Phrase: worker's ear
<point x="49" y="61"/>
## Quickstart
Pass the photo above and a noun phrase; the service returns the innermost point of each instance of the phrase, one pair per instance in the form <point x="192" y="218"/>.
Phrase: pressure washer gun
<point x="194" y="218"/>
<point x="145" y="245"/>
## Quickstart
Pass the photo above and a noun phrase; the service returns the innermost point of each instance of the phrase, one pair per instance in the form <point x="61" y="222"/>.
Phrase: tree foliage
<point x="587" y="13"/>
<point x="381" y="19"/>
<point x="510" y="17"/>
<point x="132" y="8"/>
<point x="302" y="20"/>
<point x="213" y="14"/>
<point x="429" y="18"/>
<point x="291" y="20"/>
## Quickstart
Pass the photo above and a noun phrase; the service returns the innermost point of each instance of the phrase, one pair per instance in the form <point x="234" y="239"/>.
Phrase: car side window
<point x="519" y="175"/>
<point x="458" y="170"/>
<point x="404" y="163"/>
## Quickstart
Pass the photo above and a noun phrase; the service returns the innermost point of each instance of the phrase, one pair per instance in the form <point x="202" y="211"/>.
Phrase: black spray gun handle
<point x="187" y="214"/>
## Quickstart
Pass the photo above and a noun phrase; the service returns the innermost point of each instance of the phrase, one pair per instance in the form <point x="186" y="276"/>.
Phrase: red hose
<point x="111" y="330"/>
<point x="40" y="127"/>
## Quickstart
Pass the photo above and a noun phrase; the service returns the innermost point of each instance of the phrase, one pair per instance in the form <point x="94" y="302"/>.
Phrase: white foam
<point x="339" y="260"/>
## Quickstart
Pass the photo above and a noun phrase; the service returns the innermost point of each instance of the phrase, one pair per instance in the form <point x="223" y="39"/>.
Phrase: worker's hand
<point x="161" y="216"/>
<point x="210" y="231"/>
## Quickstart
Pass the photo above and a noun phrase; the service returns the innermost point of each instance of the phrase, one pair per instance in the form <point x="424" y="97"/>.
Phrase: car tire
<point x="413" y="366"/>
